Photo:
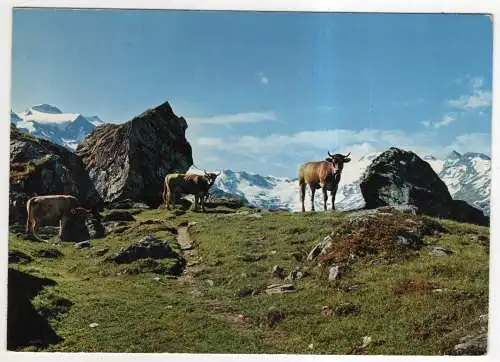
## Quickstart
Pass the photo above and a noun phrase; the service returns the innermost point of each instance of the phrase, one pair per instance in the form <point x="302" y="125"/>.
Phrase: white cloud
<point x="479" y="98"/>
<point x="263" y="79"/>
<point x="244" y="117"/>
<point x="445" y="121"/>
<point x="426" y="123"/>
<point x="471" y="142"/>
<point x="477" y="82"/>
<point x="338" y="140"/>
<point x="211" y="142"/>
<point x="280" y="154"/>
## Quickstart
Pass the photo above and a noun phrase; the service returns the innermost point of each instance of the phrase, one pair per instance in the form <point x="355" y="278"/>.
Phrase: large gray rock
<point x="399" y="177"/>
<point x="130" y="161"/>
<point x="40" y="167"/>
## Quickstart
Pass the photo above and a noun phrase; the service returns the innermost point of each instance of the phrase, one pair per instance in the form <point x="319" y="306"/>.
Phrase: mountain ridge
<point x="467" y="177"/>
<point x="49" y="122"/>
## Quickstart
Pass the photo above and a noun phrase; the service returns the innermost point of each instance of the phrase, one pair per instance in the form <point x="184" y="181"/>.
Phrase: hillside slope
<point x="393" y="298"/>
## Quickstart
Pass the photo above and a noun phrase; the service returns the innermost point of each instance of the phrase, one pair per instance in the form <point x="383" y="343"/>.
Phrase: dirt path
<point x="193" y="267"/>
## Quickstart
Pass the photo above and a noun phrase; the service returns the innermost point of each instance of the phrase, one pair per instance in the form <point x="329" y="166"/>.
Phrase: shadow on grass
<point x="25" y="327"/>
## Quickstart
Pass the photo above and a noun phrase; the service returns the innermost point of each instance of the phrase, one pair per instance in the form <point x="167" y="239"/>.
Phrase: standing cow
<point x="47" y="209"/>
<point x="198" y="185"/>
<point x="324" y="175"/>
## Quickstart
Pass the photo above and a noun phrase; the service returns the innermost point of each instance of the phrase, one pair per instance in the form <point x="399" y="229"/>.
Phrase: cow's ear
<point x="329" y="159"/>
<point x="347" y="160"/>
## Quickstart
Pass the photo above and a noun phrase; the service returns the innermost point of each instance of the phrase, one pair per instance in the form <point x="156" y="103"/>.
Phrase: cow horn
<point x="347" y="155"/>
<point x="219" y="173"/>
<point x="329" y="154"/>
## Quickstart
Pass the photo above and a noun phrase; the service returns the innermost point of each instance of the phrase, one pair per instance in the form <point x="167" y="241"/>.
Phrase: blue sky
<point x="266" y="91"/>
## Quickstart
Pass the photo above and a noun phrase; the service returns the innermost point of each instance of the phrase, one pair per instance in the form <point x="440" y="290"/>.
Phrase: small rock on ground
<point x="334" y="272"/>
<point x="295" y="274"/>
<point x="18" y="257"/>
<point x="118" y="216"/>
<point x="278" y="272"/>
<point x="436" y="250"/>
<point x="280" y="288"/>
<point x="83" y="244"/>
<point x="274" y="316"/>
<point x="472" y="345"/>
<point x="49" y="253"/>
<point x="245" y="292"/>
<point x="320" y="248"/>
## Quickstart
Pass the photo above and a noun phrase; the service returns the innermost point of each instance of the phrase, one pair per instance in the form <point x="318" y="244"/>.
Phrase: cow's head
<point x="211" y="177"/>
<point x="338" y="161"/>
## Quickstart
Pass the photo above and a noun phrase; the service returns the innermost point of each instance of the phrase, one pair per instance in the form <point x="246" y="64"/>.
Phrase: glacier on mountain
<point x="49" y="122"/>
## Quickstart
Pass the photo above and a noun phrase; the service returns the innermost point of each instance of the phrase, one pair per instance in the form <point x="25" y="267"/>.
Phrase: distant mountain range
<point x="49" y="122"/>
<point x="467" y="176"/>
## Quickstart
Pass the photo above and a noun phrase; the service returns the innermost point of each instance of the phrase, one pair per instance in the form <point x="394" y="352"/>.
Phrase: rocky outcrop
<point x="131" y="160"/>
<point x="399" y="177"/>
<point x="40" y="167"/>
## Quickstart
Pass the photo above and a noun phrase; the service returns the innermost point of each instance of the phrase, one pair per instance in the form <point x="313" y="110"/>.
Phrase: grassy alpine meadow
<point x="414" y="304"/>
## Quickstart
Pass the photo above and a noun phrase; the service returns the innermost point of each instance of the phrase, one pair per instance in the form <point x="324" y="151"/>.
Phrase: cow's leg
<point x="172" y="199"/>
<point x="202" y="201"/>
<point x="334" y="193"/>
<point x="195" y="202"/>
<point x="62" y="223"/>
<point x="28" y="224"/>
<point x="165" y="195"/>
<point x="33" y="231"/>
<point x="325" y="197"/>
<point x="302" y="195"/>
<point x="313" y="191"/>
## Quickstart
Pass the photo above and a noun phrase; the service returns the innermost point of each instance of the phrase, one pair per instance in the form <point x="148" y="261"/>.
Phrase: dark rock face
<point x="399" y="177"/>
<point x="131" y="160"/>
<point x="147" y="247"/>
<point x="40" y="167"/>
<point x="25" y="326"/>
<point x="94" y="227"/>
<point x="462" y="211"/>
<point x="18" y="257"/>
<point x="118" y="216"/>
<point x="49" y="253"/>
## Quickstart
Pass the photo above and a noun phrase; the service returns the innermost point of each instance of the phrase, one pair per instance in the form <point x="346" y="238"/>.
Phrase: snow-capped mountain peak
<point x="49" y="122"/>
<point x="466" y="176"/>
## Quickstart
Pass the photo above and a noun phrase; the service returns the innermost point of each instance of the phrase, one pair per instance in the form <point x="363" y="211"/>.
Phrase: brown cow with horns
<point x="324" y="175"/>
<point x="198" y="185"/>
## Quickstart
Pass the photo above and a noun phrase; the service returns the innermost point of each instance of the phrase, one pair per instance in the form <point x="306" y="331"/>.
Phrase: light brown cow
<point x="324" y="175"/>
<point x="198" y="185"/>
<point x="48" y="209"/>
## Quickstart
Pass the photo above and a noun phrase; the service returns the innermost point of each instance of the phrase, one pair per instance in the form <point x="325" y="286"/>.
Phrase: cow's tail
<point x="166" y="192"/>
<point x="29" y="215"/>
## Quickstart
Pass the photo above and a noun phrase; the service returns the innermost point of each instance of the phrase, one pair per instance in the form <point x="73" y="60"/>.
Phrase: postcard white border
<point x="393" y="6"/>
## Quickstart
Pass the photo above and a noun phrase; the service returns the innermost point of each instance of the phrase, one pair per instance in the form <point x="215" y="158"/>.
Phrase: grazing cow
<point x="49" y="209"/>
<point x="198" y="185"/>
<point x="324" y="175"/>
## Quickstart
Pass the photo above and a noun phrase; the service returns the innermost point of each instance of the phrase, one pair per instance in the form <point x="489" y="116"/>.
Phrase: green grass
<point x="137" y="313"/>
